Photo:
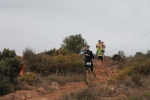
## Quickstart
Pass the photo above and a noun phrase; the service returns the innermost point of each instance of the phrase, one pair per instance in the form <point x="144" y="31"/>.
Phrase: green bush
<point x="69" y="63"/>
<point x="138" y="54"/>
<point x="136" y="78"/>
<point x="116" y="57"/>
<point x="31" y="78"/>
<point x="142" y="67"/>
<point x="74" y="43"/>
<point x="148" y="54"/>
<point x="1" y="57"/>
<point x="139" y="66"/>
<point x="50" y="52"/>
<point x="9" y="69"/>
<point x="119" y="56"/>
<point x="48" y="64"/>
<point x="8" y="53"/>
<point x="30" y="58"/>
<point x="4" y="85"/>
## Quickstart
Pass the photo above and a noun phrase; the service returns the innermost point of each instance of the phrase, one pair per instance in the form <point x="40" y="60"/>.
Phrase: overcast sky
<point x="43" y="24"/>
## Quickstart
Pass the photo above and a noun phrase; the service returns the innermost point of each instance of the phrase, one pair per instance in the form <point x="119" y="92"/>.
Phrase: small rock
<point x="28" y="95"/>
<point x="44" y="99"/>
<point x="112" y="88"/>
<point x="22" y="98"/>
<point x="54" y="84"/>
<point x="55" y="87"/>
<point x="121" y="96"/>
<point x="41" y="89"/>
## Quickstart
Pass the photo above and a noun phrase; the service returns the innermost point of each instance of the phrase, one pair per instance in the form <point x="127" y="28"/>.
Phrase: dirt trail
<point x="67" y="88"/>
<point x="102" y="73"/>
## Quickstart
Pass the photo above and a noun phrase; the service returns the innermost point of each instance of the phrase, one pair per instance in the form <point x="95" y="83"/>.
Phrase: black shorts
<point x="103" y="50"/>
<point x="100" y="57"/>
<point x="87" y="67"/>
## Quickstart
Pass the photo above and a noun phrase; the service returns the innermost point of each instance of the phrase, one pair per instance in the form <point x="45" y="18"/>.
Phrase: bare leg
<point x="87" y="75"/>
<point x="94" y="74"/>
<point x="103" y="59"/>
<point x="102" y="62"/>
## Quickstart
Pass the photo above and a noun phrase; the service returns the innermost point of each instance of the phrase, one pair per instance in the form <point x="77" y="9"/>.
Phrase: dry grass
<point x="24" y="82"/>
<point x="93" y="92"/>
<point x="140" y="96"/>
<point x="86" y="94"/>
<point x="64" y="79"/>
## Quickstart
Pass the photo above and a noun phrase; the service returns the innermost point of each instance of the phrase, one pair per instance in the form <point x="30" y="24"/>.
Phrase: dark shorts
<point x="100" y="57"/>
<point x="87" y="67"/>
<point x="103" y="50"/>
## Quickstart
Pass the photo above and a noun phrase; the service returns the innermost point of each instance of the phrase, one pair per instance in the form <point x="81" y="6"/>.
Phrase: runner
<point x="99" y="44"/>
<point x="22" y="70"/>
<point x="100" y="55"/>
<point x="88" y="62"/>
<point x="103" y="46"/>
<point x="103" y="51"/>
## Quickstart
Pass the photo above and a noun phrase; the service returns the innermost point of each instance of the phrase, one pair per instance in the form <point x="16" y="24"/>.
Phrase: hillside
<point x="102" y="87"/>
<point x="103" y="73"/>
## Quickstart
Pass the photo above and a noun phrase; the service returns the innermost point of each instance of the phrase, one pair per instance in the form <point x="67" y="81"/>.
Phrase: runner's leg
<point x="87" y="72"/>
<point x="92" y="70"/>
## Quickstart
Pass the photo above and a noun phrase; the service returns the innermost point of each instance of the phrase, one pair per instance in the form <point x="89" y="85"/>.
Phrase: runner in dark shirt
<point x="88" y="62"/>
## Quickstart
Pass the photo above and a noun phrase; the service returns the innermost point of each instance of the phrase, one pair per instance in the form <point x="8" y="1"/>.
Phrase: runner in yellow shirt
<point x="100" y="54"/>
<point x="99" y="44"/>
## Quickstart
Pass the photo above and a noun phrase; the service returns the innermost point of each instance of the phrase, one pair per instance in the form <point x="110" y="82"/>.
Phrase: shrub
<point x="9" y="64"/>
<point x="116" y="57"/>
<point x="93" y="92"/>
<point x="50" y="52"/>
<point x="56" y="52"/>
<point x="86" y="94"/>
<point x="139" y="96"/>
<point x="1" y="57"/>
<point x="8" y="53"/>
<point x="55" y="78"/>
<point x="60" y="64"/>
<point x="136" y="78"/>
<point x="30" y="78"/>
<point x="69" y="63"/>
<point x="139" y="67"/>
<point x="30" y="58"/>
<point x="148" y="54"/>
<point x="4" y="85"/>
<point x="10" y="67"/>
<point x="138" y="54"/>
<point x="74" y="43"/>
<point x="119" y="56"/>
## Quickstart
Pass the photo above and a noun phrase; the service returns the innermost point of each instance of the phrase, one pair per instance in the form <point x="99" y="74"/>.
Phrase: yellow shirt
<point x="99" y="45"/>
<point x="99" y="52"/>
